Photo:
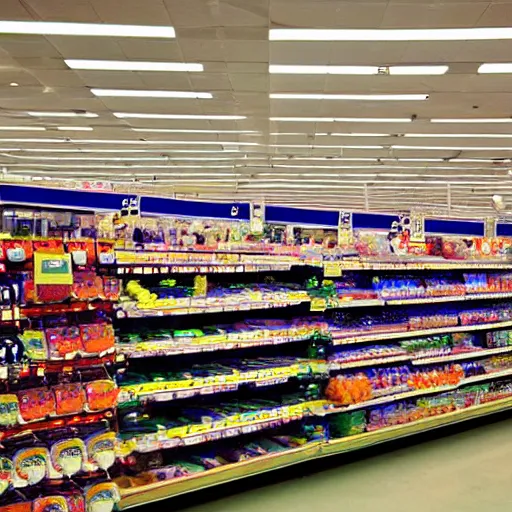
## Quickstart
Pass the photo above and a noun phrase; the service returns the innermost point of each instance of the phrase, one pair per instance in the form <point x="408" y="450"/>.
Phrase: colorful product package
<point x="101" y="450"/>
<point x="36" y="404"/>
<point x="50" y="504"/>
<point x="9" y="410"/>
<point x="102" y="497"/>
<point x="31" y="465"/>
<point x="101" y="395"/>
<point x="68" y="456"/>
<point x="97" y="338"/>
<point x="63" y="342"/>
<point x="35" y="345"/>
<point x="6" y="474"/>
<point x="70" y="398"/>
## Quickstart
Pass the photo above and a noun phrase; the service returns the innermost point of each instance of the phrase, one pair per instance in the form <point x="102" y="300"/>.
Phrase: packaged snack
<point x="97" y="338"/>
<point x="101" y="450"/>
<point x="35" y="345"/>
<point x="9" y="410"/>
<point x="36" y="404"/>
<point x="101" y="395"/>
<point x="31" y="465"/>
<point x="63" y="342"/>
<point x="102" y="497"/>
<point x="6" y="474"/>
<point x="68" y="456"/>
<point x="70" y="398"/>
<point x="50" y="504"/>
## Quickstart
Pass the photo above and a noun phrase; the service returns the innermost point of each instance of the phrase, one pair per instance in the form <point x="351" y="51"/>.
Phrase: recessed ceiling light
<point x="436" y="34"/>
<point x="357" y="70"/>
<point x="62" y="114"/>
<point x="172" y="130"/>
<point x="49" y="28"/>
<point x="495" y="68"/>
<point x="23" y="128"/>
<point x="130" y="115"/>
<point x="349" y="97"/>
<point x="342" y="119"/>
<point x="474" y="120"/>
<point x="127" y="93"/>
<point x="125" y="65"/>
<point x="75" y="128"/>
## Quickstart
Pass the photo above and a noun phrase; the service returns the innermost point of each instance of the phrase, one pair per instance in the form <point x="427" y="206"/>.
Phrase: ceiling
<point x="367" y="166"/>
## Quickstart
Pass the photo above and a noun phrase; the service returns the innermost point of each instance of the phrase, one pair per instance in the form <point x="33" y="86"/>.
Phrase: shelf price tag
<point x="318" y="304"/>
<point x="332" y="269"/>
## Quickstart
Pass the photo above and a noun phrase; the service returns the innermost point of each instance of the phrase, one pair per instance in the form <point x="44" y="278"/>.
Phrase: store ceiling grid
<point x="344" y="163"/>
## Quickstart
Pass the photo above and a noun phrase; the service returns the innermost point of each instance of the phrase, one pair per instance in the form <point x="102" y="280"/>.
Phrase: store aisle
<point x="469" y="471"/>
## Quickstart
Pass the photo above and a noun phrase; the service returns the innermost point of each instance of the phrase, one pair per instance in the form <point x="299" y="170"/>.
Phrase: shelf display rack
<point x="143" y="358"/>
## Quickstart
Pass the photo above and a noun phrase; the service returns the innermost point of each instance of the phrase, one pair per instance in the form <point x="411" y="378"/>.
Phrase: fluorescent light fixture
<point x="455" y="148"/>
<point x="128" y="93"/>
<point x="23" y="128"/>
<point x="412" y="159"/>
<point x="75" y="128"/>
<point x="482" y="160"/>
<point x="138" y="142"/>
<point x="356" y="70"/>
<point x="324" y="159"/>
<point x="356" y="134"/>
<point x="474" y="120"/>
<point x="349" y="97"/>
<point x="124" y="150"/>
<point x="130" y="115"/>
<point x="495" y="68"/>
<point x="49" y="28"/>
<point x="342" y="119"/>
<point x="126" y="65"/>
<point x="172" y="130"/>
<point x="317" y="146"/>
<point x="61" y="114"/>
<point x="459" y="135"/>
<point x="436" y="34"/>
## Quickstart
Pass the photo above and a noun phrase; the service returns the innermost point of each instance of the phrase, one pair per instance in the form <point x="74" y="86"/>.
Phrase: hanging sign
<point x="417" y="227"/>
<point x="257" y="218"/>
<point x="490" y="227"/>
<point x="50" y="268"/>
<point x="345" y="231"/>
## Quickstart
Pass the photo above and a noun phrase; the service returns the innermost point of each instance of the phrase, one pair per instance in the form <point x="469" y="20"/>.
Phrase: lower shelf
<point x="161" y="490"/>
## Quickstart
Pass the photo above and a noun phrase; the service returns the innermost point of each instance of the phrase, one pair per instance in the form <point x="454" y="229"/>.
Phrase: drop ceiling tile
<point x="163" y="50"/>
<point x="326" y="14"/>
<point x="111" y="79"/>
<point x="15" y="10"/>
<point x="153" y="12"/>
<point x="165" y="81"/>
<point x="498" y="14"/>
<point x="87" y="48"/>
<point x="61" y="78"/>
<point x="28" y="47"/>
<point x="192" y="13"/>
<point x="245" y="12"/>
<point x="62" y="10"/>
<point x="250" y="82"/>
<point x="210" y="81"/>
<point x="434" y="15"/>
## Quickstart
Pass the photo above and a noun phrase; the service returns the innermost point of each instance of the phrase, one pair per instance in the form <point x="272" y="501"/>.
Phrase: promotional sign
<point x="345" y="231"/>
<point x="50" y="268"/>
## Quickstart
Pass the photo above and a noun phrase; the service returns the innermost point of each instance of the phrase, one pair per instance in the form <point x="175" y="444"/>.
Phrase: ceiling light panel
<point x="127" y="93"/>
<point x="172" y="130"/>
<point x="437" y="34"/>
<point x="124" y="65"/>
<point x="23" y="128"/>
<point x="349" y="97"/>
<point x="62" y="114"/>
<point x="342" y="119"/>
<point x="488" y="120"/>
<point x="75" y="128"/>
<point x="356" y="70"/>
<point x="132" y="115"/>
<point x="48" y="28"/>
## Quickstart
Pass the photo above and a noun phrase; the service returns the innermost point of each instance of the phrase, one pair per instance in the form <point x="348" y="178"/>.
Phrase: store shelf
<point x="180" y="348"/>
<point x="158" y="491"/>
<point x="368" y="439"/>
<point x="202" y="433"/>
<point x="474" y="354"/>
<point x="337" y="339"/>
<point x="136" y="496"/>
<point x="197" y="310"/>
<point x="420" y="265"/>
<point x="369" y="362"/>
<point x="448" y="298"/>
<point x="133" y="269"/>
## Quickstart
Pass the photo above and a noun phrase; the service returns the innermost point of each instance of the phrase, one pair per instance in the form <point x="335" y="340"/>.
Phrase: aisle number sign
<point x="52" y="268"/>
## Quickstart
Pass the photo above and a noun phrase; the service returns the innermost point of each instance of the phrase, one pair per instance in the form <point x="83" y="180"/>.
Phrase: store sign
<point x="345" y="231"/>
<point x="490" y="227"/>
<point x="52" y="268"/>
<point x="417" y="227"/>
<point x="257" y="218"/>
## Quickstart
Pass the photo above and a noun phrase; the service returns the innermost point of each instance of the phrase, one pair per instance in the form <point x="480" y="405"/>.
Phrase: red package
<point x="70" y="398"/>
<point x="101" y="395"/>
<point x="63" y="342"/>
<point x="36" y="404"/>
<point x="97" y="338"/>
